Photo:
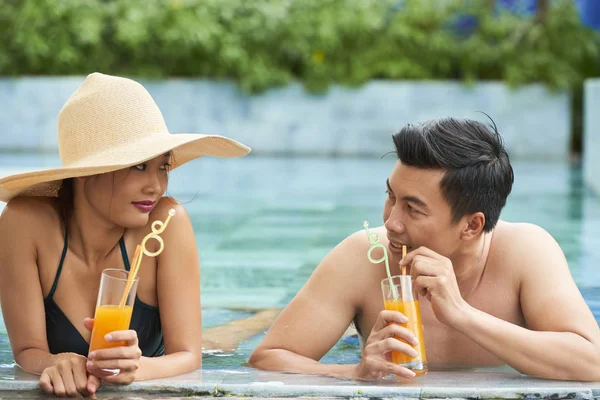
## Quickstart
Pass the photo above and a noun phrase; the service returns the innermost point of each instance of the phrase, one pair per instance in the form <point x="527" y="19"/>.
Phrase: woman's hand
<point x="125" y="360"/>
<point x="68" y="377"/>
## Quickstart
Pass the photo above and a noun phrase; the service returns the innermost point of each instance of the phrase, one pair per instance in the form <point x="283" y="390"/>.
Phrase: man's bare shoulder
<point x="527" y="244"/>
<point x="351" y="253"/>
<point x="521" y="234"/>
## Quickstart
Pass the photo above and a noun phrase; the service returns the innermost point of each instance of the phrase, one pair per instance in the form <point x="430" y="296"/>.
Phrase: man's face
<point x="416" y="213"/>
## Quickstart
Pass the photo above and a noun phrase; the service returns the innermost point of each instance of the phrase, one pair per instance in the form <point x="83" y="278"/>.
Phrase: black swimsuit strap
<point x="60" y="265"/>
<point x="124" y="253"/>
<point x="64" y="254"/>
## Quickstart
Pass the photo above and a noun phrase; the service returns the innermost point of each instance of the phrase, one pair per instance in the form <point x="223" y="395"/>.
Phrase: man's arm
<point x="318" y="316"/>
<point x="315" y="319"/>
<point x="563" y="339"/>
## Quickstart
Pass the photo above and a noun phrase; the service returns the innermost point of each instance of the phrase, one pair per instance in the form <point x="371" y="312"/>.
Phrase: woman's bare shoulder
<point x="164" y="205"/>
<point x="29" y="213"/>
<point x="27" y="222"/>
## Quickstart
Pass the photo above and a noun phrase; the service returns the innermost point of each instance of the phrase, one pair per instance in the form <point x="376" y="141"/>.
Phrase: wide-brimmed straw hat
<point x="111" y="123"/>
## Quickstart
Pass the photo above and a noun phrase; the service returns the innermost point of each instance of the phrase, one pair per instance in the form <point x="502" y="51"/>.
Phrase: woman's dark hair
<point x="65" y="200"/>
<point x="478" y="175"/>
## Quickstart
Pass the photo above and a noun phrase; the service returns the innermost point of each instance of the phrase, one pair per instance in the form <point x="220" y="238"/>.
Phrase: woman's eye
<point x="141" y="167"/>
<point x="165" y="166"/>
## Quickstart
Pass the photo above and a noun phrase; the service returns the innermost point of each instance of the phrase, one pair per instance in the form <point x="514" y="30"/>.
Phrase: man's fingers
<point x="423" y="283"/>
<point x="393" y="344"/>
<point x="422" y="266"/>
<point x="387" y="316"/>
<point x="399" y="332"/>
<point x="390" y="368"/>
<point x="421" y="251"/>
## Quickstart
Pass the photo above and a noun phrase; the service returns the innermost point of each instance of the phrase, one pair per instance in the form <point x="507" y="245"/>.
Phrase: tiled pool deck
<point x="468" y="384"/>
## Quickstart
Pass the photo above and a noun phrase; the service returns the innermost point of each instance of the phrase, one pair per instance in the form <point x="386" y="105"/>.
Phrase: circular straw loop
<point x="374" y="240"/>
<point x="378" y="260"/>
<point x="161" y="246"/>
<point x="158" y="227"/>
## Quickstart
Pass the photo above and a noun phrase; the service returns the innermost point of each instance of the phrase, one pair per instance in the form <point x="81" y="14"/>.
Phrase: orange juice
<point x="109" y="318"/>
<point x="412" y="311"/>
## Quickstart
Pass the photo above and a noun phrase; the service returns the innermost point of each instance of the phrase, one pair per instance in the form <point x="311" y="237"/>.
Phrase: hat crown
<point x="106" y="112"/>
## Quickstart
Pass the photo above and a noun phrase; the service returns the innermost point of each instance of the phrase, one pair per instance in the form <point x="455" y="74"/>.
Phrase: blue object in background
<point x="589" y="12"/>
<point x="521" y="7"/>
<point x="464" y="24"/>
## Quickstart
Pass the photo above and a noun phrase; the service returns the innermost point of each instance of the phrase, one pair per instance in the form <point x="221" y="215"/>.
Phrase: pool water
<point x="263" y="224"/>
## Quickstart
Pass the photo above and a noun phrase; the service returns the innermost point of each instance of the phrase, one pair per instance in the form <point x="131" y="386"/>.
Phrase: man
<point x="491" y="292"/>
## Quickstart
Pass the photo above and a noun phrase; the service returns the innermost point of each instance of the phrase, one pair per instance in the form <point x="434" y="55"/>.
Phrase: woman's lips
<point x="144" y="206"/>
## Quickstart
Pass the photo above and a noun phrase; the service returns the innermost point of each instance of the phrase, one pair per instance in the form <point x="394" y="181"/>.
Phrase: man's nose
<point x="394" y="222"/>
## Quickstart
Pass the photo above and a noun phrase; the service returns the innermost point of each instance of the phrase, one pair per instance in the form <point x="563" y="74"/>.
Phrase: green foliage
<point x="267" y="43"/>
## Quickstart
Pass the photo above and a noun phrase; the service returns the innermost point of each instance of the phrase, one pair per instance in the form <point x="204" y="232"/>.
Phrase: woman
<point x="62" y="227"/>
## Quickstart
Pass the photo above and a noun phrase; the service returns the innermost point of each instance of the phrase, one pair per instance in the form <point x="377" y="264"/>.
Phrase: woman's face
<point x="126" y="197"/>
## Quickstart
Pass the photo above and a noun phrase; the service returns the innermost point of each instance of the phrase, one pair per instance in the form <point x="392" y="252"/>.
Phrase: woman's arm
<point x="20" y="289"/>
<point x="23" y="303"/>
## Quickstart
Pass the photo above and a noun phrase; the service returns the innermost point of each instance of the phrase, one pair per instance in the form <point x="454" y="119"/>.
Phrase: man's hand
<point x="434" y="279"/>
<point x="376" y="358"/>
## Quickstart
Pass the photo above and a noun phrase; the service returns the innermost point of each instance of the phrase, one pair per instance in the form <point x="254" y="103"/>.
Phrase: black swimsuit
<point x="63" y="337"/>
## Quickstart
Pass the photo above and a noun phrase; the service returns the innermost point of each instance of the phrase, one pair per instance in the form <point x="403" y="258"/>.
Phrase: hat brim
<point x="183" y="146"/>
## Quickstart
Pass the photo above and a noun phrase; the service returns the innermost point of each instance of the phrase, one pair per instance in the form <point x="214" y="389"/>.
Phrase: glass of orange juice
<point x="398" y="296"/>
<point x="109" y="315"/>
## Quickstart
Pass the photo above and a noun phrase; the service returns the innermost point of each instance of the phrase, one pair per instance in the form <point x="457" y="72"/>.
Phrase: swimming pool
<point x="263" y="224"/>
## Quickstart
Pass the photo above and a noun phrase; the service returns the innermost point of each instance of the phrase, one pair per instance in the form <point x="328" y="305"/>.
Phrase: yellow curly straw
<point x="158" y="227"/>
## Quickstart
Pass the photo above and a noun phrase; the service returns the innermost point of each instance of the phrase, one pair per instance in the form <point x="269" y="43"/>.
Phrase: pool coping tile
<point x="234" y="383"/>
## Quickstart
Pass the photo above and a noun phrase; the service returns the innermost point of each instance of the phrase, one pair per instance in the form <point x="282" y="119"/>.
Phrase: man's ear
<point x="474" y="225"/>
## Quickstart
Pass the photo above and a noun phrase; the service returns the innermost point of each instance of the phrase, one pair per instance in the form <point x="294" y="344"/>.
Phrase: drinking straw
<point x="374" y="240"/>
<point x="158" y="227"/>
<point x="403" y="255"/>
<point x="404" y="297"/>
